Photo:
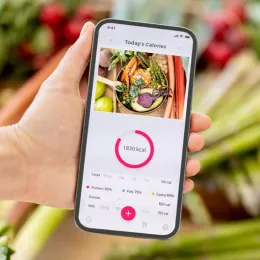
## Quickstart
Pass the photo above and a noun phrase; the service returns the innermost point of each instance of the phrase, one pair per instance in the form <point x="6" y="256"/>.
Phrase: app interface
<point x="136" y="129"/>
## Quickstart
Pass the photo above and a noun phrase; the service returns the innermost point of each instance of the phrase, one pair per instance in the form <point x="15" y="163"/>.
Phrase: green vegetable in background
<point x="42" y="41"/>
<point x="3" y="51"/>
<point x="235" y="133"/>
<point x="36" y="231"/>
<point x="18" y="20"/>
<point x="239" y="143"/>
<point x="197" y="209"/>
<point x="5" y="251"/>
<point x="235" y="241"/>
<point x="5" y="233"/>
<point x="251" y="30"/>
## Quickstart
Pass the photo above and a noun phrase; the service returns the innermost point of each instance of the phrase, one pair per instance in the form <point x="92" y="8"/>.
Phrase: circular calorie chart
<point x="140" y="164"/>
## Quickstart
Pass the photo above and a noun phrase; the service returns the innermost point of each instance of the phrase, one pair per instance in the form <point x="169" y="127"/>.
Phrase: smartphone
<point x="135" y="132"/>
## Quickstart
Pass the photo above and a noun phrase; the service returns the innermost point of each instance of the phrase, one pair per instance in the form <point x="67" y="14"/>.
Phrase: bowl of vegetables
<point x="144" y="85"/>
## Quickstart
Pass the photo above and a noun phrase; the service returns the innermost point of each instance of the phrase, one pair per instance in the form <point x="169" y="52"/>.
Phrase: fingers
<point x="192" y="167"/>
<point x="196" y="142"/>
<point x="188" y="185"/>
<point x="74" y="63"/>
<point x="199" y="122"/>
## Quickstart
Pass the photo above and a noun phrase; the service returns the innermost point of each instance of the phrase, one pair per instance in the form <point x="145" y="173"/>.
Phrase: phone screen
<point x="132" y="163"/>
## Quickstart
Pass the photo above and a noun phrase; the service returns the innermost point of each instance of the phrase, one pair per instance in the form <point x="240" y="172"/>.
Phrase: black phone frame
<point x="86" y="126"/>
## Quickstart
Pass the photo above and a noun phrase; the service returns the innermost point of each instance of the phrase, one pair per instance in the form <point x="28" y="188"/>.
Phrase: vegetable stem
<point x="242" y="142"/>
<point x="36" y="231"/>
<point x="227" y="240"/>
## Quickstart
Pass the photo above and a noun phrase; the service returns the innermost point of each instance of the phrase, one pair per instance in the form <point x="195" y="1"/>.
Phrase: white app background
<point x="117" y="197"/>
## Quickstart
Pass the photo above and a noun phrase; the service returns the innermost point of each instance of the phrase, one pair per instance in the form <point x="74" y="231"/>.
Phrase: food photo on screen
<point x="131" y="82"/>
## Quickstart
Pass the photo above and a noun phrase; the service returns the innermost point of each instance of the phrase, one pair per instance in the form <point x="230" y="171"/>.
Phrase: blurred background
<point x="220" y="217"/>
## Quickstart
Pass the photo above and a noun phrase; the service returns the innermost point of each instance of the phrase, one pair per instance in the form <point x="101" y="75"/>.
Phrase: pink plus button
<point x="128" y="213"/>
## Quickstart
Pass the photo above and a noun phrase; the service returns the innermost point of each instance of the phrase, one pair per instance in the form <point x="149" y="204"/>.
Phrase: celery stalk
<point x="3" y="241"/>
<point x="240" y="143"/>
<point x="246" y="254"/>
<point x="223" y="241"/>
<point x="5" y="235"/>
<point x="197" y="209"/>
<point x="237" y="67"/>
<point x="239" y="93"/>
<point x="236" y="121"/>
<point x="36" y="232"/>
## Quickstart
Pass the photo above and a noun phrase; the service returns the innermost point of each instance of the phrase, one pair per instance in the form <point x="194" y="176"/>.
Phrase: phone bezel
<point x="86" y="126"/>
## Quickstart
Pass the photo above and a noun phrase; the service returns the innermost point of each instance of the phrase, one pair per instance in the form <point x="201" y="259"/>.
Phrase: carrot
<point x="173" y="111"/>
<point x="128" y="71"/>
<point x="15" y="108"/>
<point x="180" y="87"/>
<point x="170" y="101"/>
<point x="171" y="114"/>
<point x="123" y="76"/>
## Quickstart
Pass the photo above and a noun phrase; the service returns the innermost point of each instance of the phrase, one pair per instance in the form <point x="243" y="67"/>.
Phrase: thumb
<point x="75" y="61"/>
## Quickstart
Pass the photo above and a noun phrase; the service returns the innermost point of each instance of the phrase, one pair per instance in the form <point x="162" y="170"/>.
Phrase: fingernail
<point x="84" y="29"/>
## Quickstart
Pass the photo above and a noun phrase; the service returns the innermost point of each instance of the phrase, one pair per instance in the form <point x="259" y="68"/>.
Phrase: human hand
<point x="49" y="134"/>
<point x="198" y="123"/>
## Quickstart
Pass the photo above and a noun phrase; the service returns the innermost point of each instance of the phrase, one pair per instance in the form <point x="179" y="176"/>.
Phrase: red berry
<point x="72" y="30"/>
<point x="218" y="24"/>
<point x="85" y="13"/>
<point x="218" y="53"/>
<point x="52" y="14"/>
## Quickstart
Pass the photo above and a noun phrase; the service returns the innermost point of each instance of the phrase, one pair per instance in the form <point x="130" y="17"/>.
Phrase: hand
<point x="199" y="122"/>
<point x="49" y="134"/>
